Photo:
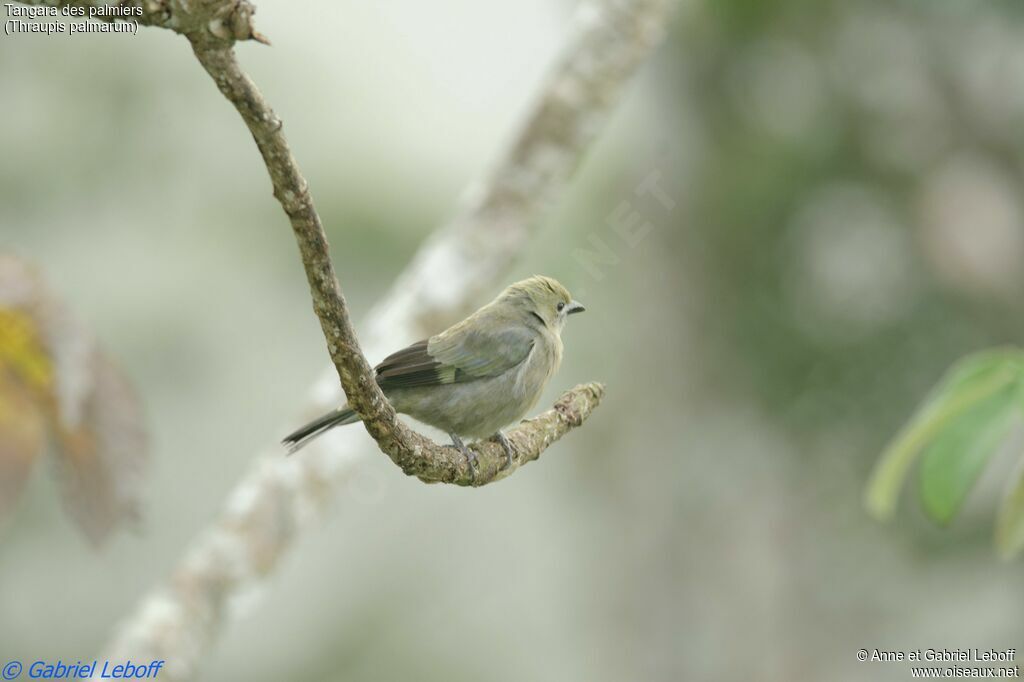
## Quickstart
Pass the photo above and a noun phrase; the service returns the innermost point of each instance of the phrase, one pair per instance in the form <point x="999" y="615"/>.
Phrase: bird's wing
<point x="456" y="356"/>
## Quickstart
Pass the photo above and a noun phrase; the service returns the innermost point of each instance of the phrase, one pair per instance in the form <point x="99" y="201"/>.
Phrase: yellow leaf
<point x="22" y="436"/>
<point x="21" y="350"/>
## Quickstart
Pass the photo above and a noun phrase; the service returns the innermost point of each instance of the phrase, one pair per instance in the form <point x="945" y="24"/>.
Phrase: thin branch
<point x="609" y="40"/>
<point x="414" y="453"/>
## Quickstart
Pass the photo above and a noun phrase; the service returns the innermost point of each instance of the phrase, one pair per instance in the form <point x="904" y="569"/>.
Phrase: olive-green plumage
<point x="479" y="375"/>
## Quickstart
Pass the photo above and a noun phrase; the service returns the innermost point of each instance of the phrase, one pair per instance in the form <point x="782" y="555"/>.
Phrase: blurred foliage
<point x="959" y="428"/>
<point x="54" y="379"/>
<point x="854" y="213"/>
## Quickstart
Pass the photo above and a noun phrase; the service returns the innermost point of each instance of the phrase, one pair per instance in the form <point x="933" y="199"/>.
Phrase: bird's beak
<point x="574" y="307"/>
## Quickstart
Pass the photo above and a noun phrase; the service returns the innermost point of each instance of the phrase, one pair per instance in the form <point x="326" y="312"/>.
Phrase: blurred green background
<point x="847" y="220"/>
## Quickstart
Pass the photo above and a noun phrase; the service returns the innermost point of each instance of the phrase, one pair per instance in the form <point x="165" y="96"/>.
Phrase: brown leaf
<point x="22" y="436"/>
<point x="54" y="378"/>
<point x="101" y="462"/>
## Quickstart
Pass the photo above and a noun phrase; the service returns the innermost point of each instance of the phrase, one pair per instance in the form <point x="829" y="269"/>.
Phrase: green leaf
<point x="1010" y="525"/>
<point x="954" y="460"/>
<point x="968" y="382"/>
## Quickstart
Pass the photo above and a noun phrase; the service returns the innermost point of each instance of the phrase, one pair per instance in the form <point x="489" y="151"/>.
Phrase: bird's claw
<point x="470" y="456"/>
<point x="506" y="445"/>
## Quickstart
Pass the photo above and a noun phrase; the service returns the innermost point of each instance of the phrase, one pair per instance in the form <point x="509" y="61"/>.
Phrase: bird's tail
<point x="297" y="440"/>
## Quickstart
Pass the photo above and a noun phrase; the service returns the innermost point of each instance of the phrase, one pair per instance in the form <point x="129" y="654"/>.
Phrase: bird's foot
<point x="470" y="456"/>
<point x="506" y="445"/>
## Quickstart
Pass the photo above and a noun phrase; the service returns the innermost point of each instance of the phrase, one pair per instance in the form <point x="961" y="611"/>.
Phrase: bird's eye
<point x="561" y="304"/>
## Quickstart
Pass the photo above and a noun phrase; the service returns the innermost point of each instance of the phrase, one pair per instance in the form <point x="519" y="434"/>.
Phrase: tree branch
<point x="414" y="453"/>
<point x="609" y="40"/>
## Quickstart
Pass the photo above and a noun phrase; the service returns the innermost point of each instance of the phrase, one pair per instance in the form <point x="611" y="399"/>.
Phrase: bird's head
<point x="543" y="300"/>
